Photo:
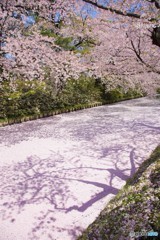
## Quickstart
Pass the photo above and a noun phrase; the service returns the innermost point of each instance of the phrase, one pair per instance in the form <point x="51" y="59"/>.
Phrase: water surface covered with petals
<point x="58" y="173"/>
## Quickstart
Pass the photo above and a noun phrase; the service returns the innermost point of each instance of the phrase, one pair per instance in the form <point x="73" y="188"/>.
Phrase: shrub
<point x="81" y="91"/>
<point x="24" y="98"/>
<point x="118" y="94"/>
<point x="113" y="95"/>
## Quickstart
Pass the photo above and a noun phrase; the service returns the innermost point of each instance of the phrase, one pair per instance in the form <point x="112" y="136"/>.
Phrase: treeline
<point x="26" y="98"/>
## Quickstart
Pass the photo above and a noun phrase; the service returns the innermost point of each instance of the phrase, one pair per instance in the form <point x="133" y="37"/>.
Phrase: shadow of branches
<point x="90" y="155"/>
<point x="39" y="181"/>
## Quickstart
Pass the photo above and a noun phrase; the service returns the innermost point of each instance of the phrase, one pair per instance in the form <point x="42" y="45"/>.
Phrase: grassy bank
<point x="134" y="209"/>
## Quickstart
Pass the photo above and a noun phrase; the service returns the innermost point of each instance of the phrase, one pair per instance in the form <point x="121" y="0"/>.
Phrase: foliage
<point x="83" y="90"/>
<point x="22" y="98"/>
<point x="85" y="46"/>
<point x="118" y="94"/>
<point x="48" y="32"/>
<point x="113" y="95"/>
<point x="158" y="90"/>
<point x="65" y="43"/>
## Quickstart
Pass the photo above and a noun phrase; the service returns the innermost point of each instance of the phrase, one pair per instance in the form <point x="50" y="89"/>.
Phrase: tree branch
<point x="113" y="10"/>
<point x="120" y="12"/>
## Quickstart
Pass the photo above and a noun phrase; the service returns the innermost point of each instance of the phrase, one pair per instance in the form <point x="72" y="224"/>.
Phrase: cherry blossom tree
<point x="147" y="10"/>
<point x="30" y="56"/>
<point x="122" y="34"/>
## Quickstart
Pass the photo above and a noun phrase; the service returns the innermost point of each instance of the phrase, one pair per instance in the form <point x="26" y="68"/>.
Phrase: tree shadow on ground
<point x="42" y="181"/>
<point x="103" y="138"/>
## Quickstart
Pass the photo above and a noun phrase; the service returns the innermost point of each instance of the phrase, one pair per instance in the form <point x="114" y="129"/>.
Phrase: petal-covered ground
<point x="134" y="213"/>
<point x="58" y="173"/>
